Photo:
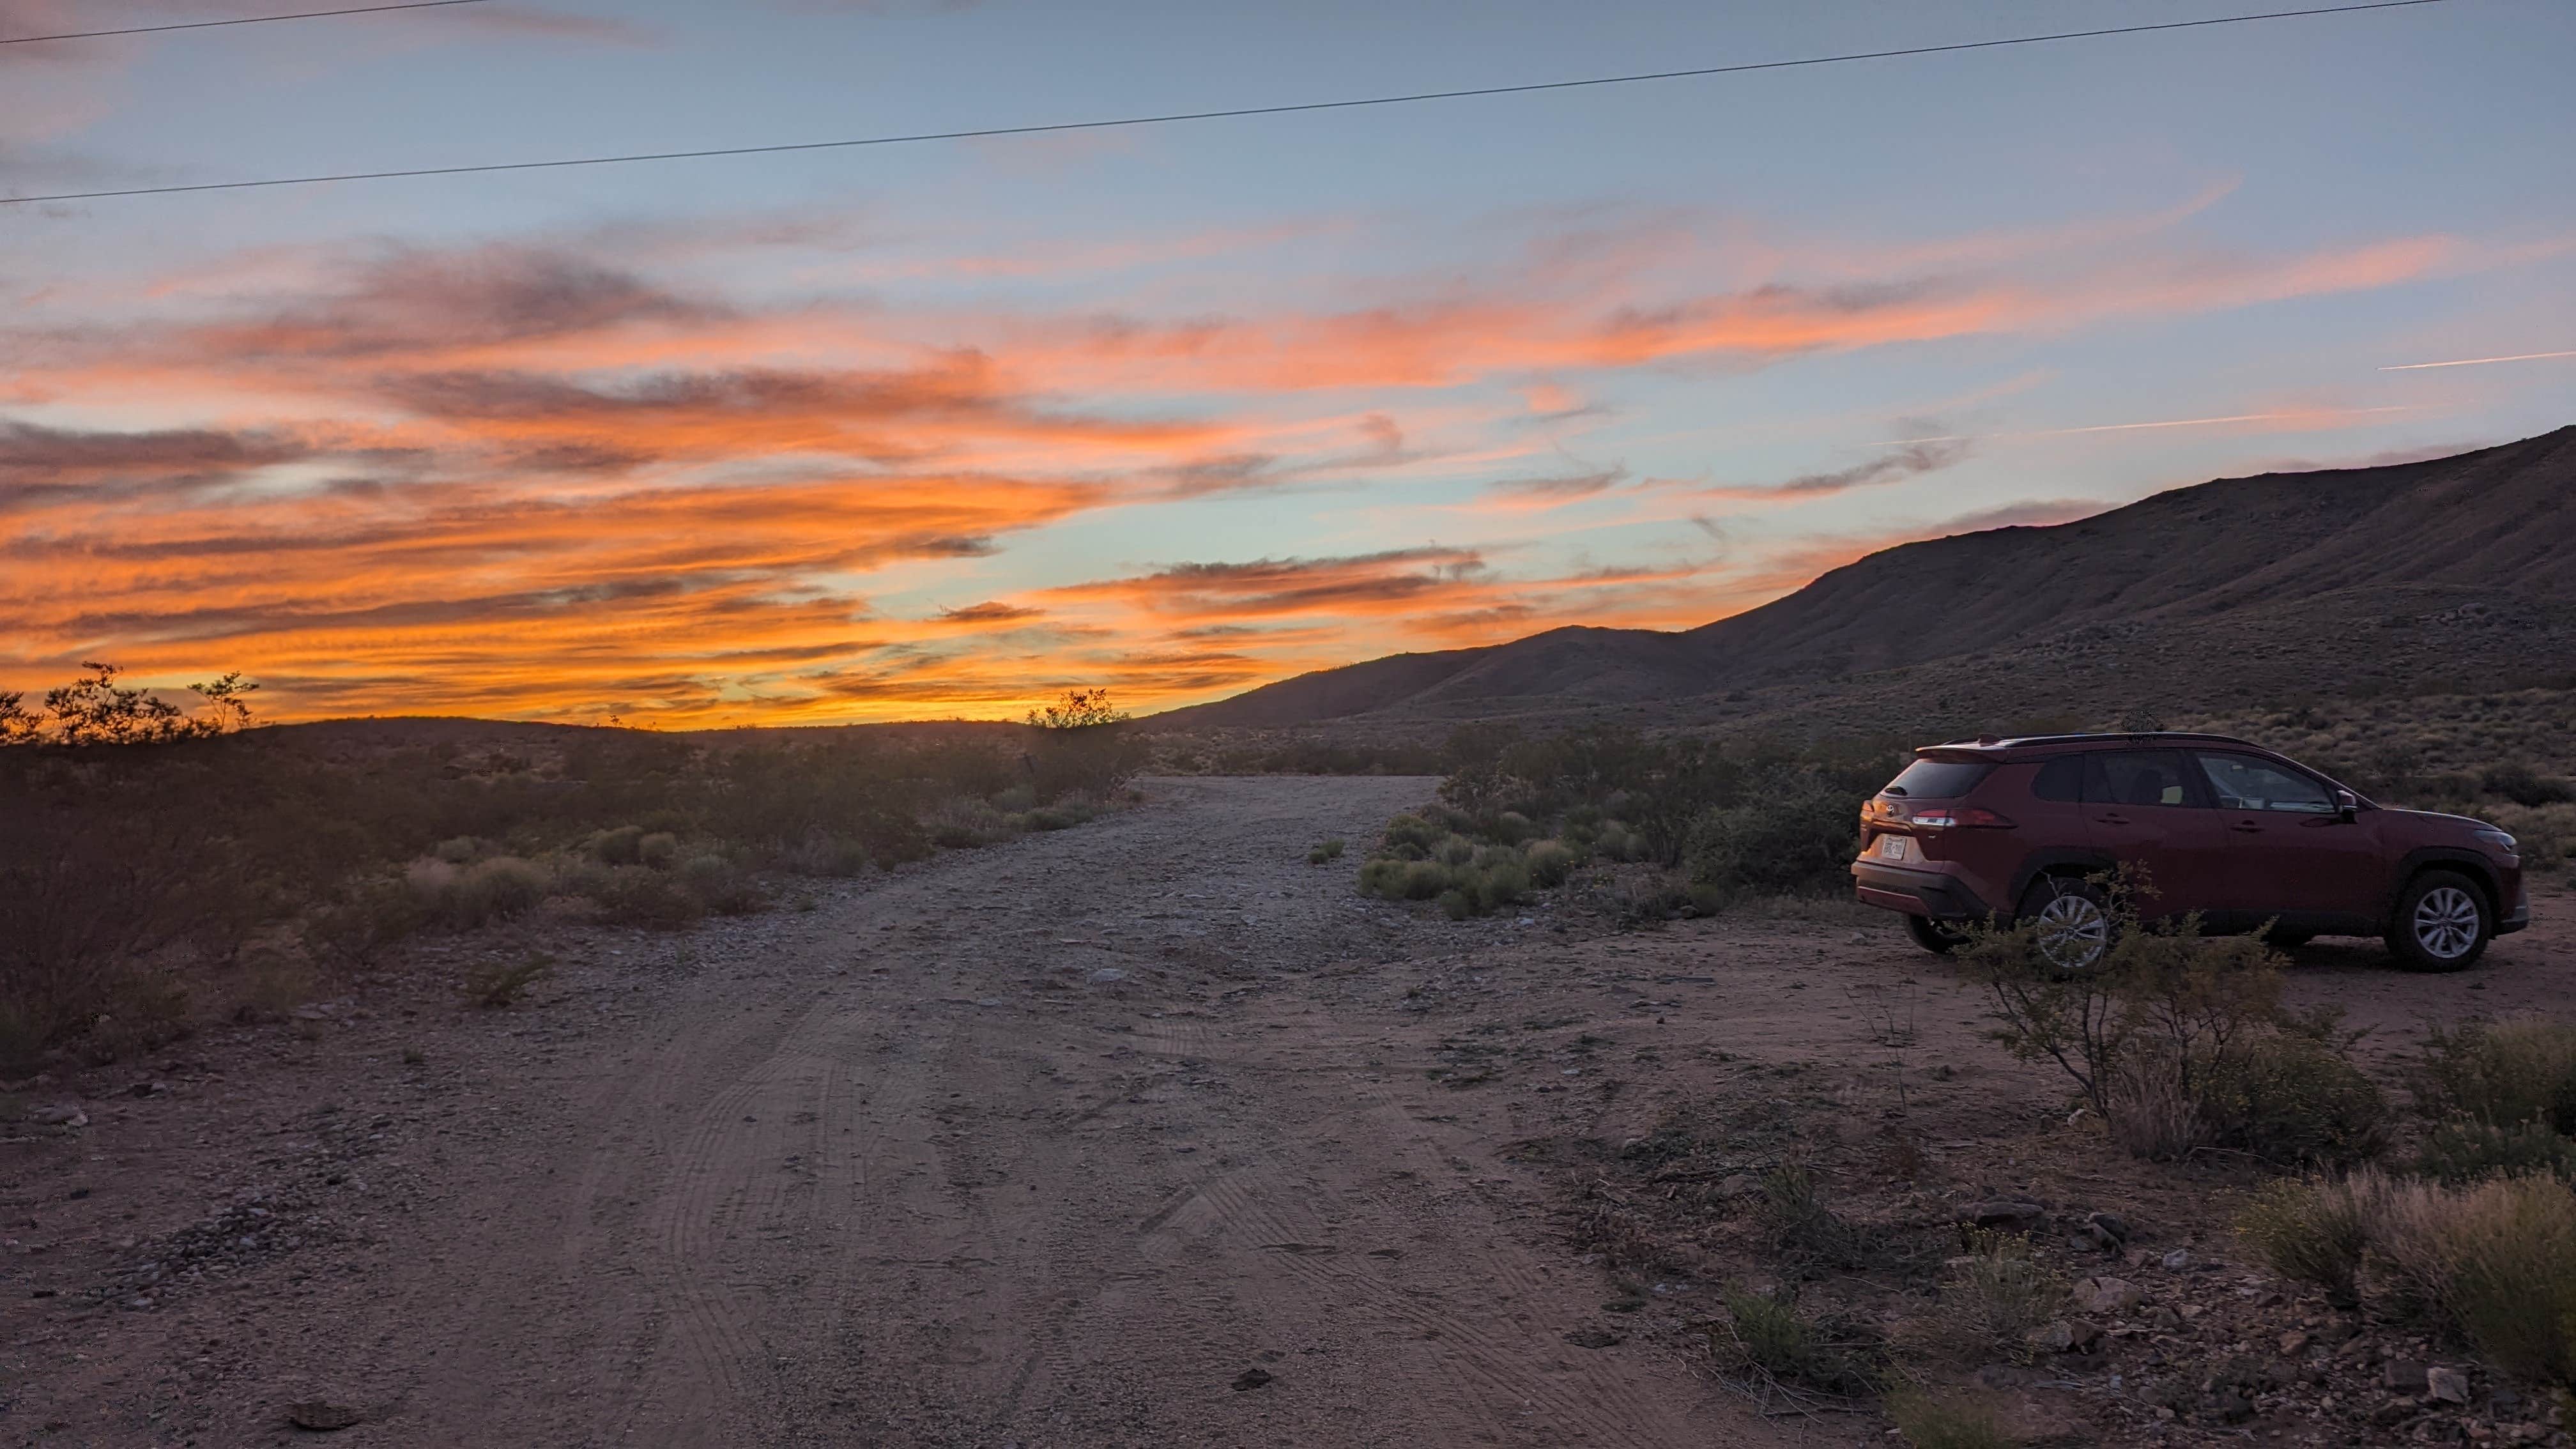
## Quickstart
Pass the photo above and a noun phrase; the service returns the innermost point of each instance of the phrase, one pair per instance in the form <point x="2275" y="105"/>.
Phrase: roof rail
<point x="1990" y="742"/>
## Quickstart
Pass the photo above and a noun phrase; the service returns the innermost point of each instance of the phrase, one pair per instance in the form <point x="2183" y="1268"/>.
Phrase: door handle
<point x="2111" y="819"/>
<point x="2246" y="827"/>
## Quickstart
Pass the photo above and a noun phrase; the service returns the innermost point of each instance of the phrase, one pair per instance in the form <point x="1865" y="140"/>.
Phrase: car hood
<point x="2435" y="819"/>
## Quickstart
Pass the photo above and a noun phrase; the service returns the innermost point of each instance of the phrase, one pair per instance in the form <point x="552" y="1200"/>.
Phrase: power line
<point x="244" y="20"/>
<point x="1179" y="116"/>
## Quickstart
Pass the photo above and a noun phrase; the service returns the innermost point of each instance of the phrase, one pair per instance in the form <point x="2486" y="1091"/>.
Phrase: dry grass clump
<point x="2494" y="1259"/>
<point x="1772" y="1336"/>
<point x="720" y="885"/>
<point x="2313" y="1232"/>
<point x="463" y="898"/>
<point x="1325" y="851"/>
<point x="1993" y="1295"/>
<point x="2504" y="1073"/>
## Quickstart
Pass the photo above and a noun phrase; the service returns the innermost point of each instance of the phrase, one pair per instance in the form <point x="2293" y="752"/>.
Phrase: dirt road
<point x="1065" y="1142"/>
<point x="1061" y="1142"/>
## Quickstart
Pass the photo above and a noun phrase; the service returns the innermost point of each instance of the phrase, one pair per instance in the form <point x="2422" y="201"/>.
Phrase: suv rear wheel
<point x="2073" y="921"/>
<point x="2443" y="922"/>
<point x="1932" y="936"/>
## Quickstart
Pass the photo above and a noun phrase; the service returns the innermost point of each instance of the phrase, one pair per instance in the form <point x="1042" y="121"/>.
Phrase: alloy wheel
<point x="2074" y="931"/>
<point x="2446" y="923"/>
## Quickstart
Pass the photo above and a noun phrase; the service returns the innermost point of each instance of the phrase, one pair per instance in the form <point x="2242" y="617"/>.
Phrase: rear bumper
<point x="1916" y="892"/>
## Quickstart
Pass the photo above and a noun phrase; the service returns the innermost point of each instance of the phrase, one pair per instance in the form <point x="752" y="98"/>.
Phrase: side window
<point x="2135" y="777"/>
<point x="2060" y="779"/>
<point x="2242" y="782"/>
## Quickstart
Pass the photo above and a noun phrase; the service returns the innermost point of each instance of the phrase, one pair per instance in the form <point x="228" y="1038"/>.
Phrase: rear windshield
<point x="1938" y="779"/>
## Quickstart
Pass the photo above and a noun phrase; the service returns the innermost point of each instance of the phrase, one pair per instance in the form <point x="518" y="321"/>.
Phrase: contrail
<point x="2477" y="361"/>
<point x="2167" y="423"/>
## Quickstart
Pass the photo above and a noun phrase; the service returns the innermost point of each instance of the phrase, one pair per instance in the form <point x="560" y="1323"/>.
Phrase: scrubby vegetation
<point x="2494" y="1260"/>
<point x="152" y="854"/>
<point x="1699" y="823"/>
<point x="2180" y="1042"/>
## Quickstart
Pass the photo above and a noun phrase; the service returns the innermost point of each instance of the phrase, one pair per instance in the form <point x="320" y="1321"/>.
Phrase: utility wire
<point x="244" y="20"/>
<point x="1179" y="116"/>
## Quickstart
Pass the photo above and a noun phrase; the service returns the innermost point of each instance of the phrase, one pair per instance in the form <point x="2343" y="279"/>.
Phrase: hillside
<point x="2340" y="582"/>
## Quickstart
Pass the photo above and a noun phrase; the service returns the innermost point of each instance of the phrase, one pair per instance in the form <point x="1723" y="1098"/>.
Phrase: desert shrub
<point x="660" y="850"/>
<point x="1454" y="851"/>
<point x="1411" y="837"/>
<point x="1800" y="1222"/>
<point x="1995" y="1293"/>
<point x="462" y="899"/>
<point x="2311" y="1232"/>
<point x="2545" y="835"/>
<point x="1458" y="903"/>
<point x="1772" y="1334"/>
<point x="634" y="895"/>
<point x="1327" y="850"/>
<point x="2290" y="1097"/>
<point x="1549" y="862"/>
<point x="719" y="885"/>
<point x="1946" y="1421"/>
<point x="1794" y="829"/>
<point x="2177" y="1040"/>
<point x="1062" y="815"/>
<point x="458" y="850"/>
<point x="362" y="919"/>
<point x="502" y="983"/>
<point x="836" y="856"/>
<point x="2494" y="1259"/>
<point x="2520" y="783"/>
<point x="966" y="824"/>
<point x="2502" y="1073"/>
<point x="2465" y="1149"/>
<point x="620" y="846"/>
<point x="2498" y="1259"/>
<point x="1512" y="827"/>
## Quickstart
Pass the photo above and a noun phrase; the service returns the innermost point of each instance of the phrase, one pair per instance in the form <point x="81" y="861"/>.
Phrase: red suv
<point x="2012" y="829"/>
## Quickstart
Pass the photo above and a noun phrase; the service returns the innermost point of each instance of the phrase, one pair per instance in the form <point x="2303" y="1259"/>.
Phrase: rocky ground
<point x="1146" y="1132"/>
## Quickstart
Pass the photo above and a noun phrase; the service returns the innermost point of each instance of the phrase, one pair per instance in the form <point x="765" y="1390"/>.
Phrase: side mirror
<point x="2347" y="804"/>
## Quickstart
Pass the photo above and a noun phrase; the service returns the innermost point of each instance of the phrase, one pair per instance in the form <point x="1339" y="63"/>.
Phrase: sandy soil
<point x="1059" y="1143"/>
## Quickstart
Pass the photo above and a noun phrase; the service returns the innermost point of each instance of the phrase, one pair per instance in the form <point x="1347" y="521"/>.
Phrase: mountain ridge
<point x="2471" y="557"/>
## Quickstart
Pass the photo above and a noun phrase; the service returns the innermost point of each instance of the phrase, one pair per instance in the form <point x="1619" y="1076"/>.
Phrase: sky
<point x="943" y="429"/>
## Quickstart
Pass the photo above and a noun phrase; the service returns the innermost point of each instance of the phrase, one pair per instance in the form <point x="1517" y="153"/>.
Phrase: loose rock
<point x="2446" y="1386"/>
<point x="2008" y="1216"/>
<point x="1251" y="1378"/>
<point x="2108" y="1297"/>
<point x="321" y="1415"/>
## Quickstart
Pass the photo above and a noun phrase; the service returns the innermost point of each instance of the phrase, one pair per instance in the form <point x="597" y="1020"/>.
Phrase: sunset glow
<point x="1178" y="414"/>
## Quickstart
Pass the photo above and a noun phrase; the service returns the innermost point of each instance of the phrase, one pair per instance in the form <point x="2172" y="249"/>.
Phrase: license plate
<point x="1891" y="847"/>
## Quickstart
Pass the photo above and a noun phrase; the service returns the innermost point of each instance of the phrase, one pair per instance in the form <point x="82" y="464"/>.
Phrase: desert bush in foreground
<point x="1327" y="850"/>
<point x="1771" y="1334"/>
<point x="2179" y="1041"/>
<point x="1994" y="1294"/>
<point x="2494" y="1259"/>
<point x="2502" y="1073"/>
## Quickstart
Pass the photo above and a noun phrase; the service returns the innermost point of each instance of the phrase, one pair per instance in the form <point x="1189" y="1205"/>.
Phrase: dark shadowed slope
<point x="2214" y="587"/>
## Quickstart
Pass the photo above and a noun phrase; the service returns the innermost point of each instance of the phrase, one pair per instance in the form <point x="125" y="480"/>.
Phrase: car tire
<point x="1934" y="937"/>
<point x="2443" y="922"/>
<point x="2073" y="920"/>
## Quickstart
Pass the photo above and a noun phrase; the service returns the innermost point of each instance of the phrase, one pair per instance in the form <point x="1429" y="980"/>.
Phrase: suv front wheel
<point x="2443" y="922"/>
<point x="1933" y="936"/>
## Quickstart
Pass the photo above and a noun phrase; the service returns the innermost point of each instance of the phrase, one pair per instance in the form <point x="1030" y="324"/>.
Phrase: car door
<point x="2291" y="850"/>
<point x="2146" y="807"/>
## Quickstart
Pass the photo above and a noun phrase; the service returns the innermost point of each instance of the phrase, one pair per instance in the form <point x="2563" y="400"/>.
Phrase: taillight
<point x="1965" y="817"/>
